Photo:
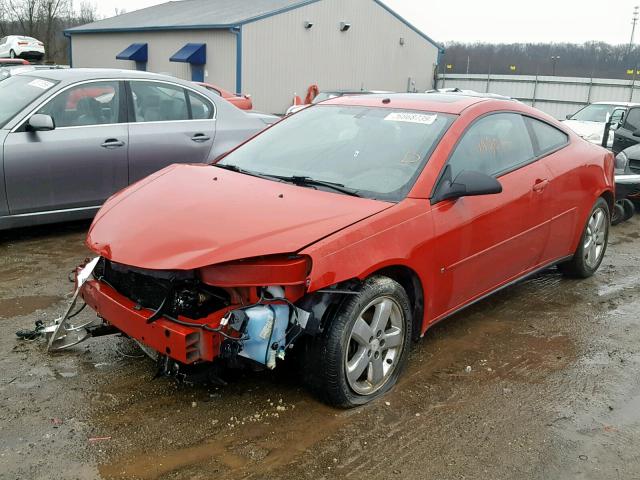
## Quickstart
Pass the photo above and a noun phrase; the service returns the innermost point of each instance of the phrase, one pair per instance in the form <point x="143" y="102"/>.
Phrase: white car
<point x="589" y="121"/>
<point x="17" y="46"/>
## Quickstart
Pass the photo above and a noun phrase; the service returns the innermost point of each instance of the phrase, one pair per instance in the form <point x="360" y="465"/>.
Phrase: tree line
<point x="591" y="59"/>
<point x="45" y="20"/>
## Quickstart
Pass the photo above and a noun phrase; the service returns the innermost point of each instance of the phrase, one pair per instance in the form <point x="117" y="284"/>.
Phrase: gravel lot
<point x="553" y="391"/>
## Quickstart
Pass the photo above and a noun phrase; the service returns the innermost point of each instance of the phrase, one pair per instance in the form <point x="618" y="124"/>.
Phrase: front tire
<point x="365" y="346"/>
<point x="593" y="243"/>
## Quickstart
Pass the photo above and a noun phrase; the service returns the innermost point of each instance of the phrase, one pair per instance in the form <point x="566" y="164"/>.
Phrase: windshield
<point x="594" y="113"/>
<point x="18" y="92"/>
<point x="374" y="152"/>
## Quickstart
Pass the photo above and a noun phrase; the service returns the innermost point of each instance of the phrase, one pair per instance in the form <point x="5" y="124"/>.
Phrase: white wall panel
<point x="557" y="96"/>
<point x="282" y="58"/>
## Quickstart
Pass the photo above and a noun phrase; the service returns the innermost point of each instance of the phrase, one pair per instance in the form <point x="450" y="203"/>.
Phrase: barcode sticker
<point x="425" y="119"/>
<point x="42" y="84"/>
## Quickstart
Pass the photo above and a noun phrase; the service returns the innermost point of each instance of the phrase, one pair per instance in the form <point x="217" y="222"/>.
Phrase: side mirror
<point x="40" y="123"/>
<point x="467" y="184"/>
<point x="569" y="116"/>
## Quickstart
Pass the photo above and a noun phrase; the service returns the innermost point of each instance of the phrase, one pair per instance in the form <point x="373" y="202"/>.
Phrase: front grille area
<point x="182" y="293"/>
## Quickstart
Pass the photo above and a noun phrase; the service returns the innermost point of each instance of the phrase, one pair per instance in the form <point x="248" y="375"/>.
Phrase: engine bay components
<point x="266" y="331"/>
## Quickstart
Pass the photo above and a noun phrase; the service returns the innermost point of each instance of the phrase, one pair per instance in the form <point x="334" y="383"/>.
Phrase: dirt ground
<point x="553" y="391"/>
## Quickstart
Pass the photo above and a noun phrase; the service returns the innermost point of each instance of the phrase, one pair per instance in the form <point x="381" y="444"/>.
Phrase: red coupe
<point x="243" y="102"/>
<point x="347" y="228"/>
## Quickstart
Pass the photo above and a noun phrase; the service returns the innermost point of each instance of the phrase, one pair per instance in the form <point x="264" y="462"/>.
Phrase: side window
<point x="159" y="102"/>
<point x="549" y="138"/>
<point x="633" y="120"/>
<point x="617" y="116"/>
<point x="201" y="109"/>
<point x="492" y="145"/>
<point x="96" y="103"/>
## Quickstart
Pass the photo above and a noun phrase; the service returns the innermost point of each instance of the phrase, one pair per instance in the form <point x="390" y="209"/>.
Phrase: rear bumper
<point x="184" y="344"/>
<point x="626" y="185"/>
<point x="28" y="52"/>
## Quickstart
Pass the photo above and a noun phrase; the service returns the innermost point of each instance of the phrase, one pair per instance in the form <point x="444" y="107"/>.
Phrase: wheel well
<point x="413" y="286"/>
<point x="608" y="196"/>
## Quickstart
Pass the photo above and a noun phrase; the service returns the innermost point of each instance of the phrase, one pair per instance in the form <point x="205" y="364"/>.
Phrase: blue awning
<point x="193" y="53"/>
<point x="137" y="52"/>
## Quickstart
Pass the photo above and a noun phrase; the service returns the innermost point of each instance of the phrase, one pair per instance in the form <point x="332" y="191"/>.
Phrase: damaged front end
<point x="251" y="309"/>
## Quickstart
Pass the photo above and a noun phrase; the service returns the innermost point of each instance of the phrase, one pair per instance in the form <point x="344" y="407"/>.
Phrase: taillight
<point x="23" y="43"/>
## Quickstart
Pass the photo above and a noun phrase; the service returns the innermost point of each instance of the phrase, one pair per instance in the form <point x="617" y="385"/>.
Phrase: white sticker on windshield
<point x="42" y="84"/>
<point x="411" y="117"/>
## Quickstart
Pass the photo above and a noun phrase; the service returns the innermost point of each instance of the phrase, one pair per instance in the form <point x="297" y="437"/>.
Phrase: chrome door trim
<point x="51" y="212"/>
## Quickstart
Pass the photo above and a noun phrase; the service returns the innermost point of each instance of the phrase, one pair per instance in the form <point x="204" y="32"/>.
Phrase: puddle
<point x="18" y="306"/>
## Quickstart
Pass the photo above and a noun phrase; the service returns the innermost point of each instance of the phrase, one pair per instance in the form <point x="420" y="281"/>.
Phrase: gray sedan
<point x="69" y="139"/>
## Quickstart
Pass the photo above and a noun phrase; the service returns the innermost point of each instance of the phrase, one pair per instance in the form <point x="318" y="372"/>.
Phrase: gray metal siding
<point x="557" y="96"/>
<point x="281" y="58"/>
<point x="100" y="50"/>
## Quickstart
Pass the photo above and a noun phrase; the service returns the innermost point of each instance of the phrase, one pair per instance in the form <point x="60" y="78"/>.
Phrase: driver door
<point x="491" y="239"/>
<point x="623" y="137"/>
<point x="80" y="163"/>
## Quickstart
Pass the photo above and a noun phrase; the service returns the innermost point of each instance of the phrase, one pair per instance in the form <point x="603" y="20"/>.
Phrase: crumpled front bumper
<point x="184" y="344"/>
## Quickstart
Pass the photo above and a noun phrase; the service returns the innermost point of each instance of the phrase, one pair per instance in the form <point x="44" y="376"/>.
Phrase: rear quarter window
<point x="547" y="137"/>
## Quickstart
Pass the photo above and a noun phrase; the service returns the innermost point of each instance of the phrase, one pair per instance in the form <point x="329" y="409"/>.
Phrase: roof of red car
<point x="430" y="102"/>
<point x="13" y="61"/>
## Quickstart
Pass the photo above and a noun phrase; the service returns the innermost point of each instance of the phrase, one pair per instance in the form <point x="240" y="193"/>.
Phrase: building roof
<point x="193" y="13"/>
<point x="206" y="14"/>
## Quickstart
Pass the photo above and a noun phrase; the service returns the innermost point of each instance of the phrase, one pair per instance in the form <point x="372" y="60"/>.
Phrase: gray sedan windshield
<point x="374" y="152"/>
<point x="18" y="92"/>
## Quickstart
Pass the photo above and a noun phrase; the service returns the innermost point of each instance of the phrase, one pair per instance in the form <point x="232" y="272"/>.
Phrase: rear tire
<point x="593" y="243"/>
<point x="629" y="209"/>
<point x="12" y="54"/>
<point x="617" y="216"/>
<point x="364" y="347"/>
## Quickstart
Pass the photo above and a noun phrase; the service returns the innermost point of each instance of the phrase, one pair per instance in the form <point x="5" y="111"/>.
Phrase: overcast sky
<point x="495" y="20"/>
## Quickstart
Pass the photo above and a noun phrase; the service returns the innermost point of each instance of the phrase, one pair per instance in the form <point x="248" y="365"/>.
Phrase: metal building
<point x="268" y="48"/>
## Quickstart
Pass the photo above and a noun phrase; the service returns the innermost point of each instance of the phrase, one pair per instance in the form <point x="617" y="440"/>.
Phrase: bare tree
<point x="25" y="13"/>
<point x="50" y="14"/>
<point x="87" y="13"/>
<point x="45" y="20"/>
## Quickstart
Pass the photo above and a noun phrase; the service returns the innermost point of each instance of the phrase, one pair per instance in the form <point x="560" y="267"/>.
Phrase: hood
<point x="191" y="216"/>
<point x="591" y="131"/>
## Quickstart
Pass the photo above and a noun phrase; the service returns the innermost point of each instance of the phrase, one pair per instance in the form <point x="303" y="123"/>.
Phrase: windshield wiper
<point x="235" y="168"/>
<point x="312" y="182"/>
<point x="295" y="179"/>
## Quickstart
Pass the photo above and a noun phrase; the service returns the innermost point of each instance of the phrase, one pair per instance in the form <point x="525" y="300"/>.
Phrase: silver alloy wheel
<point x="375" y="344"/>
<point x="594" y="238"/>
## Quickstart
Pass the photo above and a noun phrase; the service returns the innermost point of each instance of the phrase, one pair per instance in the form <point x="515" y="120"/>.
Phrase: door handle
<point x="112" y="143"/>
<point x="200" y="138"/>
<point x="540" y="185"/>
